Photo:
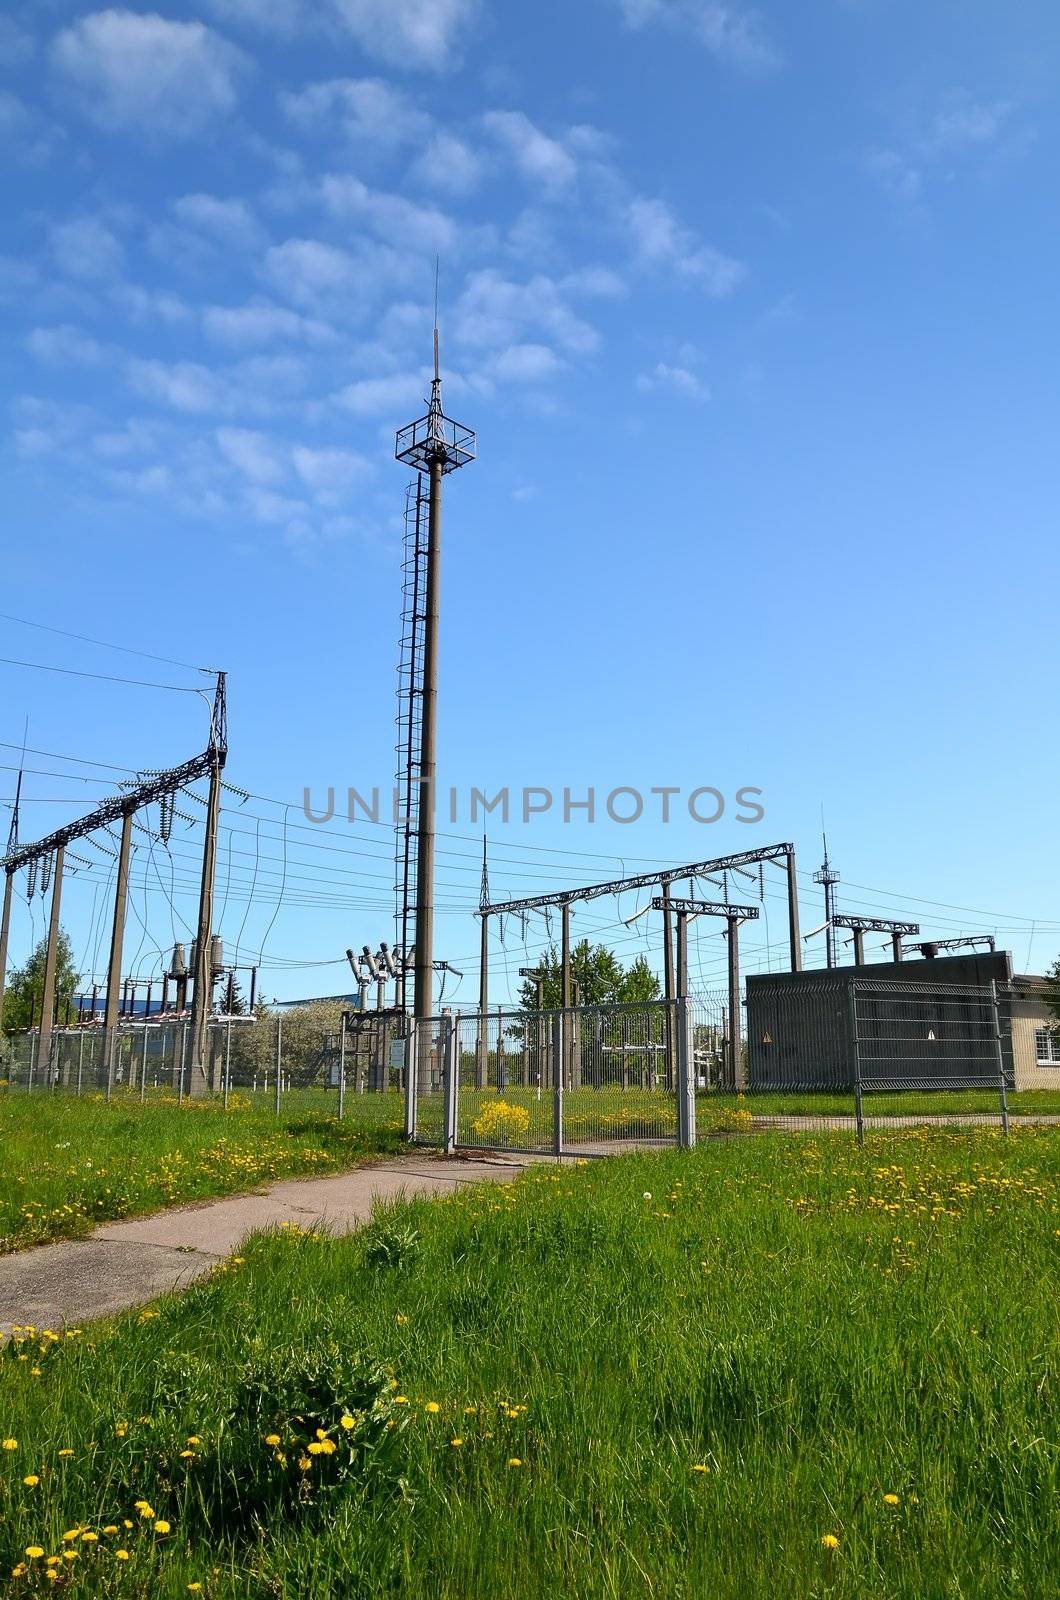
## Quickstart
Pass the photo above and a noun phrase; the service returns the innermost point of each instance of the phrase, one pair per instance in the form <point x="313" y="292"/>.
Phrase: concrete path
<point x="127" y="1263"/>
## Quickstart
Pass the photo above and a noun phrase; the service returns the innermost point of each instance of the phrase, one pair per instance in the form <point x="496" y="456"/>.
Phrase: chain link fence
<point x="816" y="1053"/>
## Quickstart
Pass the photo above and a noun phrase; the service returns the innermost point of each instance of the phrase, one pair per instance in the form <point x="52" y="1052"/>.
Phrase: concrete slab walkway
<point x="128" y="1263"/>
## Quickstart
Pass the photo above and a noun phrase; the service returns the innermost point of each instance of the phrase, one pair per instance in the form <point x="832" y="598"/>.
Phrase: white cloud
<point x="86" y="248"/>
<point x="495" y="311"/>
<point x="396" y="220"/>
<point x="400" y="392"/>
<point x="523" y="363"/>
<point x="448" y="163"/>
<point x="326" y="471"/>
<point x="727" y="31"/>
<point x="141" y="70"/>
<point x="538" y="157"/>
<point x="262" y="323"/>
<point x="676" y="379"/>
<point x="897" y="174"/>
<point x="184" y="385"/>
<point x="255" y="455"/>
<point x="307" y="269"/>
<point x="367" y="109"/>
<point x="962" y="123"/>
<point x="422" y="33"/>
<point x="660" y="239"/>
<point x="64" y="346"/>
<point x="149" y="305"/>
<point x="231" y="222"/>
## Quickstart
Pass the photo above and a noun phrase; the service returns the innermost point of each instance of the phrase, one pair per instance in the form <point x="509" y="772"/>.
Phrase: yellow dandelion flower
<point x="514" y="1461"/>
<point x="121" y="1555"/>
<point x="347" y="1421"/>
<point x="829" y="1541"/>
<point x="31" y="1480"/>
<point x="401" y="1399"/>
<point x="327" y="1447"/>
<point x="112" y="1527"/>
<point x="195" y="1439"/>
<point x="16" y="1572"/>
<point x="34" y="1372"/>
<point x="700" y="1466"/>
<point x="161" y="1525"/>
<point x="305" y="1463"/>
<point x="33" y="1551"/>
<point x="71" y="1533"/>
<point x="272" y="1438"/>
<point x="281" y="1458"/>
<point x="316" y="1448"/>
<point x="187" y="1455"/>
<point x="52" y="1560"/>
<point x="433" y="1407"/>
<point x="64" y="1454"/>
<point x="400" y="1319"/>
<point x="321" y="1434"/>
<point x="10" y="1444"/>
<point x="69" y="1555"/>
<point x="456" y="1443"/>
<point x="51" y="1575"/>
<point x="89" y="1538"/>
<point x="193" y="1588"/>
<point x="125" y="1522"/>
<point x="890" y="1499"/>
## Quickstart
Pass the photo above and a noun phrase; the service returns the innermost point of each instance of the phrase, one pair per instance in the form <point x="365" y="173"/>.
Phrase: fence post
<point x="228" y="1059"/>
<point x="855" y="1051"/>
<point x="686" y="1076"/>
<point x="558" y="1064"/>
<point x="342" y="1067"/>
<point x="183" y="1060"/>
<point x="1002" y="1087"/>
<point x="451" y="1081"/>
<point x="279" y="1062"/>
<point x="143" y="1068"/>
<point x="412" y="1078"/>
<point x="80" y="1059"/>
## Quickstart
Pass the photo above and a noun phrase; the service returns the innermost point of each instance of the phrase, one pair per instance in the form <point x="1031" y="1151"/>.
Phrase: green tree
<point x="1052" y="978"/>
<point x="600" y="976"/>
<point x="25" y="986"/>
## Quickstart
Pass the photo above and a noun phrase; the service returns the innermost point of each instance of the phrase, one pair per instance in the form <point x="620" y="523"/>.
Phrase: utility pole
<point x="828" y="878"/>
<point x="203" y="991"/>
<point x="685" y="911"/>
<point x="117" y="936"/>
<point x="48" y="1006"/>
<point x="434" y="445"/>
<point x="482" y="1061"/>
<point x="794" y="942"/>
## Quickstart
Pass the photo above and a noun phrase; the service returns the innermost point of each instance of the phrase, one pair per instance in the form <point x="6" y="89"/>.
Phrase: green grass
<point x="72" y="1163"/>
<point x="817" y="1327"/>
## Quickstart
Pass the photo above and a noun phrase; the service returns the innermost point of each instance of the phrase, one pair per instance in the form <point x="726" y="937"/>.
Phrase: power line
<point x="103" y="644"/>
<point x="100" y="677"/>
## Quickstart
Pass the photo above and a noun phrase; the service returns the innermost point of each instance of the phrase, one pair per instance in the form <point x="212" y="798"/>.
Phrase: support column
<point x="859" y="947"/>
<point x="735" y="1028"/>
<point x="48" y="1005"/>
<point x="794" y="941"/>
<point x="5" y="930"/>
<point x="669" y="1071"/>
<point x="565" y="993"/>
<point x="482" y="1061"/>
<point x="424" y="967"/>
<point x="117" y="936"/>
<point x="200" y="1000"/>
<point x="896" y="946"/>
<point x="682" y="955"/>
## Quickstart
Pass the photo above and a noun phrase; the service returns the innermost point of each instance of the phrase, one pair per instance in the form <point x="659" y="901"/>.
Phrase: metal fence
<point x="835" y="1053"/>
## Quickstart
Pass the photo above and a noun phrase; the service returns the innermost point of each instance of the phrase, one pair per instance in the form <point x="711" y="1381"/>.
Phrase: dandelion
<point x="514" y="1461"/>
<point x="161" y="1525"/>
<point x="89" y="1538"/>
<point x="305" y="1463"/>
<point x="33" y="1551"/>
<point x="829" y="1541"/>
<point x="890" y="1499"/>
<point x="647" y="1194"/>
<point x="346" y="1421"/>
<point x="272" y="1438"/>
<point x="187" y="1455"/>
<point x="31" y="1480"/>
<point x="400" y="1320"/>
<point x="700" y="1466"/>
<point x="193" y="1588"/>
<point x="401" y="1399"/>
<point x="71" y="1533"/>
<point x="456" y="1443"/>
<point x="433" y="1407"/>
<point x="195" y="1439"/>
<point x="316" y="1448"/>
<point x="64" y="1455"/>
<point x="112" y="1527"/>
<point x="10" y="1444"/>
<point x="121" y="1555"/>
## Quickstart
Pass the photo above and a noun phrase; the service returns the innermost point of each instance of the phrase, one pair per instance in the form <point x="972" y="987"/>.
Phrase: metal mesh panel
<point x="505" y="1077"/>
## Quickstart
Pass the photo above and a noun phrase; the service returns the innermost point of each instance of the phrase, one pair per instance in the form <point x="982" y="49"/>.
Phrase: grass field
<point x="764" y="1368"/>
<point x="70" y="1164"/>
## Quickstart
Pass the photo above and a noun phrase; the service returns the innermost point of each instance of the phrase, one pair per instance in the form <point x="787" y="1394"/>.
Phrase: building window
<point x="1047" y="1047"/>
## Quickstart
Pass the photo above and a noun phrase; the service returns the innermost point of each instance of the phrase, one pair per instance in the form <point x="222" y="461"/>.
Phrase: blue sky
<point x="753" y="311"/>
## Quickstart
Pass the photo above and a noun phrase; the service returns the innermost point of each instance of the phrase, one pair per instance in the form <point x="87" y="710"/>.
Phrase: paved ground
<point x="128" y="1263"/>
